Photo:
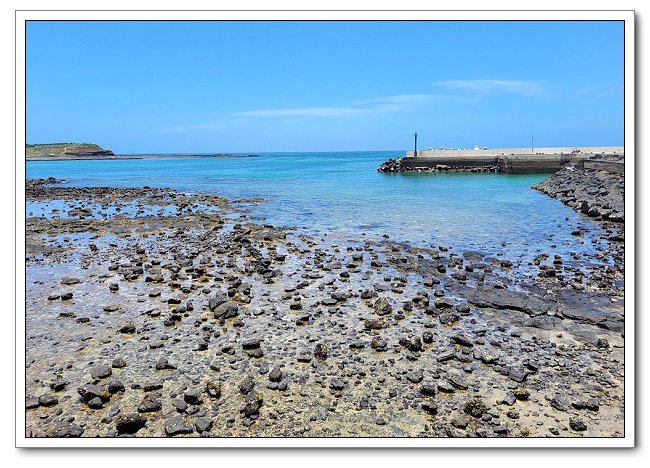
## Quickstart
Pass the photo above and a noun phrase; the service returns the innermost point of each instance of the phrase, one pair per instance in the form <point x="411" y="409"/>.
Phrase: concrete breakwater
<point x="513" y="164"/>
<point x="507" y="160"/>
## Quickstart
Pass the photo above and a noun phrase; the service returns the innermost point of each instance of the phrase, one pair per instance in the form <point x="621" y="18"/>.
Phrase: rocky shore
<point x="598" y="193"/>
<point x="154" y="313"/>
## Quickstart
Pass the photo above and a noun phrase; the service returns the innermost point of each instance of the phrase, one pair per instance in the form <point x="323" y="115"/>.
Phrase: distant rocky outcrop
<point x="65" y="151"/>
<point x="596" y="189"/>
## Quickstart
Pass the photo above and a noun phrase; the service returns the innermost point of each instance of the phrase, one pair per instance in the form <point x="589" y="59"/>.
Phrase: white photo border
<point x="628" y="17"/>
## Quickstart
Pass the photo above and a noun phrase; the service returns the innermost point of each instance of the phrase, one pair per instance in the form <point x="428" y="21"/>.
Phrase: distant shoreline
<point x="70" y="157"/>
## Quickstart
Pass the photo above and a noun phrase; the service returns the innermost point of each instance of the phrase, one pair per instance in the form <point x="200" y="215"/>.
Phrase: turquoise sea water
<point x="343" y="194"/>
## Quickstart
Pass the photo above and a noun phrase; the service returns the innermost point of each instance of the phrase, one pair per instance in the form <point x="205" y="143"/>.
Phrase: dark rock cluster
<point x="599" y="194"/>
<point x="391" y="165"/>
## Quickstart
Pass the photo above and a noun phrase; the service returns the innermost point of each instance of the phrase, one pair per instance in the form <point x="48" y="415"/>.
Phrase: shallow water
<point x="343" y="194"/>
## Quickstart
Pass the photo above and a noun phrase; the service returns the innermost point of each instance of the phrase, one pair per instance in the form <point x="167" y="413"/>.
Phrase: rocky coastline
<point x="597" y="193"/>
<point x="154" y="313"/>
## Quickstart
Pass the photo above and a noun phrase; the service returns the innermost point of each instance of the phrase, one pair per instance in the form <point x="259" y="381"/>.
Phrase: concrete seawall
<point x="513" y="164"/>
<point x="617" y="167"/>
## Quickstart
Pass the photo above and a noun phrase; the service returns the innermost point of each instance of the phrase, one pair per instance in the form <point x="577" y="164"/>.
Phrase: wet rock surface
<point x="194" y="329"/>
<point x="595" y="192"/>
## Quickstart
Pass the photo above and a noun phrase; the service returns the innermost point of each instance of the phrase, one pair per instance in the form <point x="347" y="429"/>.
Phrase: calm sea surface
<point x="343" y="194"/>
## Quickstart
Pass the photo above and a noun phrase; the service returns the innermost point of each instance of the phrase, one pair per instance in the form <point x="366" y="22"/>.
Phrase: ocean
<point x="342" y="194"/>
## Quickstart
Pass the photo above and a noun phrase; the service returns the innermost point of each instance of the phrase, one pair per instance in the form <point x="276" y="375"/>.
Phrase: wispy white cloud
<point x="520" y="87"/>
<point x="361" y="106"/>
<point x="305" y="112"/>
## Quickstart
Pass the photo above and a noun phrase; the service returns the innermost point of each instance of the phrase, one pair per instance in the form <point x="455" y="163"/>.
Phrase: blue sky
<point x="323" y="86"/>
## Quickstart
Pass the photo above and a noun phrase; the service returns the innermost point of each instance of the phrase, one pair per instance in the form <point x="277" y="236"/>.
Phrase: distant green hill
<point x="62" y="150"/>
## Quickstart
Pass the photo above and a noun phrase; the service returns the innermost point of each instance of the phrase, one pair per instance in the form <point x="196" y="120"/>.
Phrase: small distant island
<point x="79" y="151"/>
<point x="49" y="151"/>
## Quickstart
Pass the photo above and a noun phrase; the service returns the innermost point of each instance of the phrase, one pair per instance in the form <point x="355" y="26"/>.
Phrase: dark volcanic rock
<point x="252" y="405"/>
<point x="115" y="386"/>
<point x="589" y="307"/>
<point x="101" y="372"/>
<point x="457" y="379"/>
<point x="127" y="327"/>
<point x="48" y="400"/>
<point x="337" y="384"/>
<point x="95" y="403"/>
<point x="373" y="324"/>
<point x="90" y="391"/>
<point x="252" y="344"/>
<point x="192" y="397"/>
<point x="58" y="384"/>
<point x="118" y="363"/>
<point x="246" y="385"/>
<point x="368" y="294"/>
<point x="428" y="389"/>
<point x="321" y="351"/>
<point x="149" y="404"/>
<point x="162" y="363"/>
<point x="415" y="376"/>
<point x="70" y="280"/>
<point x="378" y="343"/>
<point x="130" y="423"/>
<point x="382" y="306"/>
<point x="228" y="309"/>
<point x="176" y="425"/>
<point x="430" y="408"/>
<point x="517" y="374"/>
<point x="180" y="405"/>
<point x="475" y="408"/>
<point x="577" y="424"/>
<point x="462" y="340"/>
<point x="506" y="299"/>
<point x="597" y="192"/>
<point x="276" y="374"/>
<point x="559" y="403"/>
<point x="203" y="424"/>
<point x="414" y="343"/>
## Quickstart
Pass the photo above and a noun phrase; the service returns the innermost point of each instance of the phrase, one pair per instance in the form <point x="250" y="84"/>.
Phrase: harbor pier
<point x="504" y="160"/>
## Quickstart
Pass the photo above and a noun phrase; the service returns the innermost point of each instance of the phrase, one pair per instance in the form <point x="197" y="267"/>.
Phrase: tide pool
<point x="342" y="194"/>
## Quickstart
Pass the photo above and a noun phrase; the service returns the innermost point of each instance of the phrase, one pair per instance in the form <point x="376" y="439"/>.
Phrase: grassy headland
<point x="65" y="151"/>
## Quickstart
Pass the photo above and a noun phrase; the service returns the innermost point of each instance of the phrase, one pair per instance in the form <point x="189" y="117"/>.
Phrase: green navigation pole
<point x="532" y="142"/>
<point x="415" y="147"/>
